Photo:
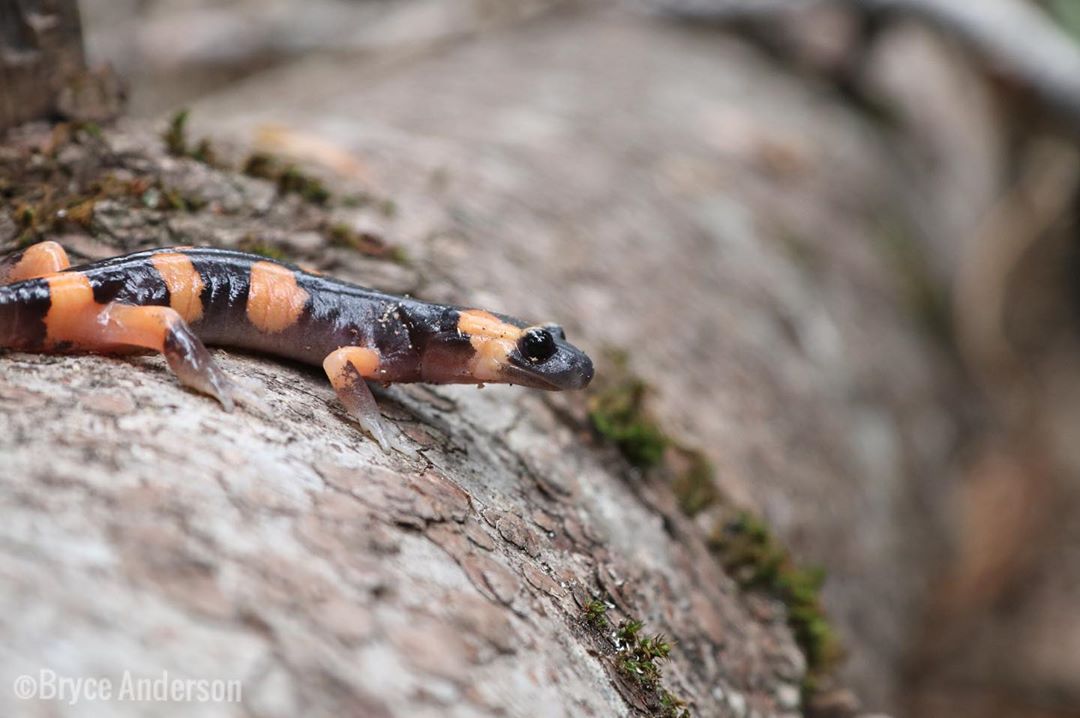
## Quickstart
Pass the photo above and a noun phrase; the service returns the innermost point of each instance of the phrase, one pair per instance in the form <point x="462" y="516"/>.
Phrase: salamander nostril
<point x="586" y="374"/>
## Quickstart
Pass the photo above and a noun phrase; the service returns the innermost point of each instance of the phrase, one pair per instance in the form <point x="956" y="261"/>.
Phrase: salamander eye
<point x="537" y="345"/>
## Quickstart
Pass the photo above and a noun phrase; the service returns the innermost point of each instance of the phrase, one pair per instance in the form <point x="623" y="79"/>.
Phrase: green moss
<point x="618" y="413"/>
<point x="293" y="181"/>
<point x="256" y="246"/>
<point x="176" y="141"/>
<point x="639" y="658"/>
<point x="672" y="707"/>
<point x="356" y="200"/>
<point x="175" y="136"/>
<point x="92" y="129"/>
<point x="757" y="560"/>
<point x="628" y="630"/>
<point x="645" y="673"/>
<point x="38" y="221"/>
<point x="261" y="165"/>
<point x="204" y="152"/>
<point x="366" y="243"/>
<point x="26" y="216"/>
<point x="694" y="486"/>
<point x="744" y="545"/>
<point x="46" y="199"/>
<point x="596" y="614"/>
<point x="288" y="178"/>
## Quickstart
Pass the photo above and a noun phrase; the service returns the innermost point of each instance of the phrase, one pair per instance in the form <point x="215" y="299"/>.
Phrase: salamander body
<point x="177" y="300"/>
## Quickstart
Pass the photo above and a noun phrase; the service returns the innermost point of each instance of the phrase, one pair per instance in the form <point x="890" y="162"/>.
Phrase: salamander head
<point x="542" y="358"/>
<point x="503" y="351"/>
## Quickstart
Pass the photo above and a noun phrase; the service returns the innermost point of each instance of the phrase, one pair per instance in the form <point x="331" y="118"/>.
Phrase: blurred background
<point x="841" y="240"/>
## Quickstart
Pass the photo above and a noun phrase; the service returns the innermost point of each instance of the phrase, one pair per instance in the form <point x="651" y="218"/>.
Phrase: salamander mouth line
<point x="529" y="379"/>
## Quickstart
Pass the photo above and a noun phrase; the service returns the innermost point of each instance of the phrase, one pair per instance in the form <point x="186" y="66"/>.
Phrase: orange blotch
<point x="184" y="283"/>
<point x="275" y="302"/>
<point x="72" y="308"/>
<point x="477" y="322"/>
<point x="492" y="339"/>
<point x="76" y="320"/>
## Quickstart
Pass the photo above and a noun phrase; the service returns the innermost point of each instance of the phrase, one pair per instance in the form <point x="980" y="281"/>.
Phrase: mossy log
<point x="501" y="567"/>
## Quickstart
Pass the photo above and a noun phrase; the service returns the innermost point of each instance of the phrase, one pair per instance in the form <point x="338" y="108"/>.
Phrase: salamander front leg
<point x="163" y="330"/>
<point x="348" y="367"/>
<point x="33" y="262"/>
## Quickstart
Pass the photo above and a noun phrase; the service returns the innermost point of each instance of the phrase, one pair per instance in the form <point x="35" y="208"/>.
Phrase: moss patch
<point x="46" y="198"/>
<point x="253" y="244"/>
<point x="287" y="177"/>
<point x="743" y="545"/>
<point x="366" y="243"/>
<point x="57" y="184"/>
<point x="175" y="136"/>
<point x="754" y="557"/>
<point x="596" y="614"/>
<point x="693" y="480"/>
<point x="293" y="181"/>
<point x="617" y="412"/>
<point x="639" y="659"/>
<point x="176" y="141"/>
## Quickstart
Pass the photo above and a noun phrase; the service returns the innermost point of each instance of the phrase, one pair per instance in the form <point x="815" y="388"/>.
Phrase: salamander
<point x="178" y="300"/>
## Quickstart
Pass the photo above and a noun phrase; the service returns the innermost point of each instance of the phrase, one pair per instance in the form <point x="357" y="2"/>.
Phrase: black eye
<point x="536" y="345"/>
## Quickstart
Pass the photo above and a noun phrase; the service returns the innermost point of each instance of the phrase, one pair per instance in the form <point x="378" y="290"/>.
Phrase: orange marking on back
<point x="492" y="339"/>
<point x="477" y="322"/>
<point x="39" y="260"/>
<point x="275" y="302"/>
<point x="72" y="308"/>
<point x="75" y="318"/>
<point x="184" y="283"/>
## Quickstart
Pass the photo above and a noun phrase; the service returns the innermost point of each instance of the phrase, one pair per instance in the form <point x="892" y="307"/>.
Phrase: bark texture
<point x="667" y="192"/>
<point x="152" y="531"/>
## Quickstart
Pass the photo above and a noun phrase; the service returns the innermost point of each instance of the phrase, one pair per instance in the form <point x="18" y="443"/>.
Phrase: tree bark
<point x="745" y="269"/>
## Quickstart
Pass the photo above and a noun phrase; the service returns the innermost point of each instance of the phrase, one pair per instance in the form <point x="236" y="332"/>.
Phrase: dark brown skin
<point x="175" y="300"/>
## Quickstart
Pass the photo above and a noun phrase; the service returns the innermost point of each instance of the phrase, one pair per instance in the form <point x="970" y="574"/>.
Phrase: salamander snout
<point x="542" y="358"/>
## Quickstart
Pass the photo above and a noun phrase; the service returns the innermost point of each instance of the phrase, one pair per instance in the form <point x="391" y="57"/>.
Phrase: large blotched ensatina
<point x="176" y="300"/>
